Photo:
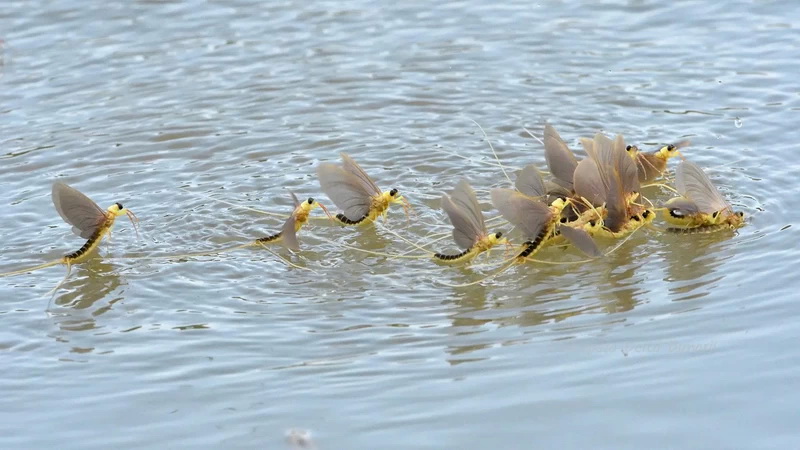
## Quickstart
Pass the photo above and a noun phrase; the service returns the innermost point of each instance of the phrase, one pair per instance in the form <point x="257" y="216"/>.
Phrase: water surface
<point x="671" y="341"/>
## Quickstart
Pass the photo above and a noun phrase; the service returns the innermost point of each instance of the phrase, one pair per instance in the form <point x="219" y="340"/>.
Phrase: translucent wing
<point x="649" y="166"/>
<point x="353" y="168"/>
<point x="683" y="206"/>
<point x="560" y="159"/>
<point x="625" y="166"/>
<point x="530" y="182"/>
<point x="77" y="210"/>
<point x="588" y="183"/>
<point x="345" y="190"/>
<point x="465" y="232"/>
<point x="464" y="197"/>
<point x="694" y="184"/>
<point x="527" y="214"/>
<point x="295" y="199"/>
<point x="289" y="234"/>
<point x="581" y="240"/>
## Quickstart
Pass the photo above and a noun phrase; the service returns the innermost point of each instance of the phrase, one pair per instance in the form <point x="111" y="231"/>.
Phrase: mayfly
<point x="701" y="207"/>
<point x="652" y="164"/>
<point x="88" y="221"/>
<point x="354" y="192"/>
<point x="286" y="236"/>
<point x="539" y="223"/>
<point x="608" y="180"/>
<point x="469" y="230"/>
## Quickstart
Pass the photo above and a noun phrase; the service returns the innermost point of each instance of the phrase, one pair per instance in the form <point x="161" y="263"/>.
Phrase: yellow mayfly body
<point x="354" y="192"/>
<point x="701" y="207"/>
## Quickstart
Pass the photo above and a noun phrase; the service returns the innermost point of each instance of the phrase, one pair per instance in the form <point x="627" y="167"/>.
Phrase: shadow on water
<point x="89" y="283"/>
<point x="692" y="262"/>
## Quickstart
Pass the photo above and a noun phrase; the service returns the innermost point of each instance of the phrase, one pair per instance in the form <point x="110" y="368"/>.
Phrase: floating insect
<point x="539" y="223"/>
<point x="701" y="207"/>
<point x="88" y="221"/>
<point x="296" y="220"/>
<point x="609" y="181"/>
<point x="354" y="192"/>
<point x="652" y="165"/>
<point x="287" y="235"/>
<point x="469" y="229"/>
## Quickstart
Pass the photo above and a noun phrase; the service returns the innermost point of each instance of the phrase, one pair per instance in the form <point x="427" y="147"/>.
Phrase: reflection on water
<point x="693" y="262"/>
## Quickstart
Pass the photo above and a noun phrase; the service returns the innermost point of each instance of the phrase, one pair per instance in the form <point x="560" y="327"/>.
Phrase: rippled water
<point x="672" y="341"/>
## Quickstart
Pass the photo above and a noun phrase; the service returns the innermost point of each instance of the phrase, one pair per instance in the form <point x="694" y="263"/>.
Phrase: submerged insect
<point x="88" y="221"/>
<point x="469" y="229"/>
<point x="354" y="192"/>
<point x="701" y="207"/>
<point x="652" y="165"/>
<point x="609" y="181"/>
<point x="539" y="223"/>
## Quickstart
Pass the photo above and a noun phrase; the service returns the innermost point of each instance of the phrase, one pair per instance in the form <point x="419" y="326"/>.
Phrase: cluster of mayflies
<point x="596" y="197"/>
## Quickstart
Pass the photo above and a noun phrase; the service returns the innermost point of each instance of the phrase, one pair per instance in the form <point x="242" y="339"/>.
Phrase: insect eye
<point x="716" y="213"/>
<point x="740" y="214"/>
<point x="310" y="200"/>
<point x="636" y="218"/>
<point x="670" y="148"/>
<point x="119" y="205"/>
<point x="563" y="220"/>
<point x="498" y="235"/>
<point x="393" y="192"/>
<point x="629" y="148"/>
<point x="646" y="213"/>
<point x="591" y="223"/>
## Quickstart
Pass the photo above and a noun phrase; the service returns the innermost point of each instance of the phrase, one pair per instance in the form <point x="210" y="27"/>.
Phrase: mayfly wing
<point x="560" y="160"/>
<point x="530" y="182"/>
<point x="464" y="196"/>
<point x="625" y="166"/>
<point x="465" y="232"/>
<point x="694" y="184"/>
<point x="588" y="183"/>
<point x="352" y="167"/>
<point x="289" y="234"/>
<point x="345" y="190"/>
<point x="581" y="240"/>
<point x="295" y="199"/>
<point x="526" y="213"/>
<point x="77" y="210"/>
<point x="649" y="166"/>
<point x="682" y="206"/>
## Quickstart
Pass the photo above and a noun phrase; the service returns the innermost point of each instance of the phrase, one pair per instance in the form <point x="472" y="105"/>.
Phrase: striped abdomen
<point x="342" y="218"/>
<point x="451" y="258"/>
<point x="94" y="241"/>
<point x="268" y="239"/>
<point x="704" y="229"/>
<point x="534" y="245"/>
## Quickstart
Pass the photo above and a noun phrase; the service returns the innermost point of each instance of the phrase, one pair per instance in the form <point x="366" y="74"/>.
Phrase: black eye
<point x="715" y="214"/>
<point x="310" y="200"/>
<point x="670" y="148"/>
<point x="628" y="148"/>
<point x="393" y="192"/>
<point x="498" y="235"/>
<point x="563" y="220"/>
<point x="740" y="214"/>
<point x="636" y="218"/>
<point x="646" y="214"/>
<point x="119" y="205"/>
<point x="591" y="223"/>
<point x="676" y="213"/>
